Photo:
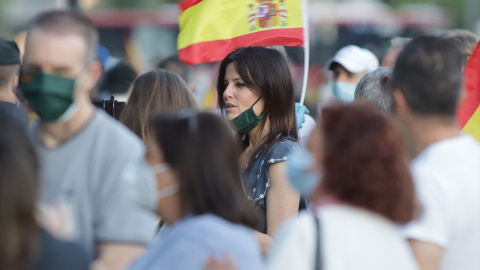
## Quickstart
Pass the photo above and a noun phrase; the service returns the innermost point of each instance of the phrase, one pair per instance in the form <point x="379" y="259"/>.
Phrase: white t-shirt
<point x="447" y="179"/>
<point x="351" y="238"/>
<point x="306" y="130"/>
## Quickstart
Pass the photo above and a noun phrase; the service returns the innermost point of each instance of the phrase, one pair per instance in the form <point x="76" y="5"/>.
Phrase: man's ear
<point x="94" y="72"/>
<point x="401" y="104"/>
<point x="462" y="95"/>
<point x="13" y="81"/>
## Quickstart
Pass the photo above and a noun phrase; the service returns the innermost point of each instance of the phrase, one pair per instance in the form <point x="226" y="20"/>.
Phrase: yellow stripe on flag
<point x="473" y="125"/>
<point x="209" y="21"/>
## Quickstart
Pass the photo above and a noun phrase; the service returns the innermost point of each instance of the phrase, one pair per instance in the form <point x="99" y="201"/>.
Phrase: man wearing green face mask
<point x="89" y="162"/>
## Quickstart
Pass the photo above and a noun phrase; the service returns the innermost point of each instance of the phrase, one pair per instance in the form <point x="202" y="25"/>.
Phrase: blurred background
<point x="143" y="32"/>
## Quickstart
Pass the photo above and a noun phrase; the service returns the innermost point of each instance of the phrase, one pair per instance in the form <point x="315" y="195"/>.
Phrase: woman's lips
<point x="229" y="107"/>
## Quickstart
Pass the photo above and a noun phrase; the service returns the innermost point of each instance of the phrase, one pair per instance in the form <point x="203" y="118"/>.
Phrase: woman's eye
<point x="238" y="84"/>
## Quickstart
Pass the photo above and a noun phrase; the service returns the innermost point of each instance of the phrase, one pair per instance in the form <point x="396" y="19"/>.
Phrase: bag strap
<point x="318" y="250"/>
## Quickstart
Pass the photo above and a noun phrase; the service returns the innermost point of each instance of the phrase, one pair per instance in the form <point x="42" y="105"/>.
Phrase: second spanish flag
<point x="211" y="29"/>
<point x="468" y="113"/>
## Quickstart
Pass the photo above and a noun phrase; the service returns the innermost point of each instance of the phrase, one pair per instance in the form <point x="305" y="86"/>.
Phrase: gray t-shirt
<point x="102" y="175"/>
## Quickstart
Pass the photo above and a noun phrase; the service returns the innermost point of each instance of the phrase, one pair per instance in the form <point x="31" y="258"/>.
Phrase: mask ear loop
<point x="159" y="168"/>
<point x="256" y="102"/>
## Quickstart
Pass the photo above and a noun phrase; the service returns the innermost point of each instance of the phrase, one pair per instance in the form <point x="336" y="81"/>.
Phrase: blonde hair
<point x="157" y="91"/>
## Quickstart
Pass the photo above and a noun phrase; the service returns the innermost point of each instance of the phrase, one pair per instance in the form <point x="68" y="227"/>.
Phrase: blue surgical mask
<point x="344" y="91"/>
<point x="297" y="170"/>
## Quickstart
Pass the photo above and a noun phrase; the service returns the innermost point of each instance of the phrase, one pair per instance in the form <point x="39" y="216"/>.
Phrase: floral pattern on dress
<point x="255" y="175"/>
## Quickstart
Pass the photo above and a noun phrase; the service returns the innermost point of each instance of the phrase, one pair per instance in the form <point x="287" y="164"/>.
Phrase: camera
<point x="111" y="106"/>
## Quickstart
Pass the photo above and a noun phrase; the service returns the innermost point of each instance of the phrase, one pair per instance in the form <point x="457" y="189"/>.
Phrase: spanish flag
<point x="468" y="113"/>
<point x="211" y="29"/>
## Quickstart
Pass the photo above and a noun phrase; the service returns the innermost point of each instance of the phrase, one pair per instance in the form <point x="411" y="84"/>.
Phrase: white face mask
<point x="168" y="190"/>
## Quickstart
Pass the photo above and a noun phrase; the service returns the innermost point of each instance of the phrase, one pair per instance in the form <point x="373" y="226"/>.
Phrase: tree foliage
<point x="456" y="7"/>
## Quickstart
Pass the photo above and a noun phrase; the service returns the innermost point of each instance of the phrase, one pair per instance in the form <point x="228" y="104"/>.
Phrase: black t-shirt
<point x="16" y="112"/>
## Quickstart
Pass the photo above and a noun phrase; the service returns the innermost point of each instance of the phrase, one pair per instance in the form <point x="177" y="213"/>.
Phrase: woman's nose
<point x="228" y="92"/>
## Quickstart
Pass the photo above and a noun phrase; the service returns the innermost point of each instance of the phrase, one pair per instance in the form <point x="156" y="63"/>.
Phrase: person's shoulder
<point x="455" y="156"/>
<point x="213" y="223"/>
<point x="468" y="145"/>
<point x="300" y="227"/>
<point x="207" y="227"/>
<point x="281" y="151"/>
<point x="114" y="134"/>
<point x="304" y="219"/>
<point x="461" y="146"/>
<point x="348" y="216"/>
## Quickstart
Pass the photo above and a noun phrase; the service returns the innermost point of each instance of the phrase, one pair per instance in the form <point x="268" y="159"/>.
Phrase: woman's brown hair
<point x="265" y="71"/>
<point x="19" y="172"/>
<point x="364" y="163"/>
<point x="155" y="91"/>
<point x="203" y="153"/>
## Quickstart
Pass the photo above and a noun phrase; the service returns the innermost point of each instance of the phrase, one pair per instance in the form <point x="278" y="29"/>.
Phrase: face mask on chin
<point x="247" y="120"/>
<point x="51" y="96"/>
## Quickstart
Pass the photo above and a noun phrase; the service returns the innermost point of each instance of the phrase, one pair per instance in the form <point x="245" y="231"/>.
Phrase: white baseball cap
<point x="355" y="59"/>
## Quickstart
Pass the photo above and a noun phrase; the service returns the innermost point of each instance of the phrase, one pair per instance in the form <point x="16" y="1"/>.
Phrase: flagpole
<point x="306" y="48"/>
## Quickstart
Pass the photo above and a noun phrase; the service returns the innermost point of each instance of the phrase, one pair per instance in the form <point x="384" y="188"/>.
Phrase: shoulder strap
<point x="318" y="250"/>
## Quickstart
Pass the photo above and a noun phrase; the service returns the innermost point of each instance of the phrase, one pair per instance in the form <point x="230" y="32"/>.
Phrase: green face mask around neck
<point x="50" y="96"/>
<point x="247" y="120"/>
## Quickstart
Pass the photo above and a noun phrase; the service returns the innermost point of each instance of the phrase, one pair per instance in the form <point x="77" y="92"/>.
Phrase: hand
<point x="300" y="111"/>
<point x="57" y="219"/>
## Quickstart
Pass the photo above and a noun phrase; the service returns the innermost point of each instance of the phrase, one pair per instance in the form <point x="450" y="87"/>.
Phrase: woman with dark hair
<point x="24" y="244"/>
<point x="200" y="196"/>
<point x="255" y="92"/>
<point x="364" y="191"/>
<point x="155" y="91"/>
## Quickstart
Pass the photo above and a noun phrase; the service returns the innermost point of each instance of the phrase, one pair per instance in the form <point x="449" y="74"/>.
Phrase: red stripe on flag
<point x="217" y="50"/>
<point x="472" y="86"/>
<point x="184" y="5"/>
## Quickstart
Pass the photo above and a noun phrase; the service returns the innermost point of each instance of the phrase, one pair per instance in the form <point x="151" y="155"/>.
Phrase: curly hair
<point x="364" y="162"/>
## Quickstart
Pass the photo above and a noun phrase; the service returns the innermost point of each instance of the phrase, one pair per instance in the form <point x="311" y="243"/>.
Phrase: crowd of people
<point x="383" y="180"/>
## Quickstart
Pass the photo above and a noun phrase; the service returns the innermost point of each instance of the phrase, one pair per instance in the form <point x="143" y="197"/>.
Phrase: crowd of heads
<point x="357" y="144"/>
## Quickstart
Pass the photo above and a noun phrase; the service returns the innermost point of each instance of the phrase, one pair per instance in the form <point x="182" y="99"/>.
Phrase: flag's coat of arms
<point x="266" y="14"/>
